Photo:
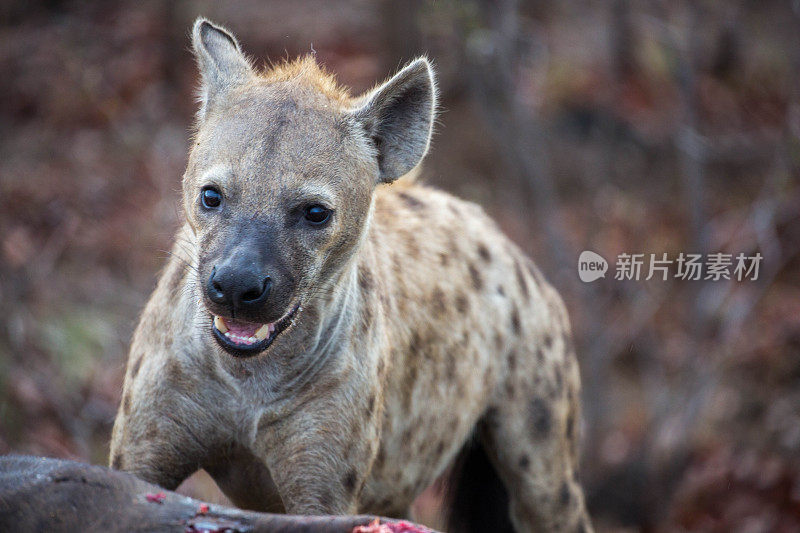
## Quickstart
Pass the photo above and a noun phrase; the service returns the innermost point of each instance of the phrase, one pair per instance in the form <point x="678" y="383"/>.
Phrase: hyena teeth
<point x="263" y="332"/>
<point x="219" y="323"/>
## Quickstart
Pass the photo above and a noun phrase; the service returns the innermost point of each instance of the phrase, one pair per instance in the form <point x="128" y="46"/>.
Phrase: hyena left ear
<point x="398" y="116"/>
<point x="220" y="59"/>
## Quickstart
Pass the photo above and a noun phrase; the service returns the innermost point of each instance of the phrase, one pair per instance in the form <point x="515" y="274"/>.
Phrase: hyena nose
<point x="244" y="290"/>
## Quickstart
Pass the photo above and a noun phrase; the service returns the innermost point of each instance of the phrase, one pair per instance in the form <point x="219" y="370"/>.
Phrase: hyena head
<point x="278" y="188"/>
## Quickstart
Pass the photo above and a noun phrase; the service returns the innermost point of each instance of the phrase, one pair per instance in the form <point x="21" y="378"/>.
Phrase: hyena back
<point x="323" y="342"/>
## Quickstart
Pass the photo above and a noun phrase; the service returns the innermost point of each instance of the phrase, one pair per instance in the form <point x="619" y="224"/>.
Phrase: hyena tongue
<point x="241" y="328"/>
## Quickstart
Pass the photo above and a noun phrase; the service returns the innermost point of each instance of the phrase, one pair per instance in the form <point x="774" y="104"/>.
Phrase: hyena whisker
<point x="184" y="262"/>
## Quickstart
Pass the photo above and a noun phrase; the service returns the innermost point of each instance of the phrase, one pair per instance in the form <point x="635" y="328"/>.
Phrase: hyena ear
<point x="398" y="116"/>
<point x="220" y="59"/>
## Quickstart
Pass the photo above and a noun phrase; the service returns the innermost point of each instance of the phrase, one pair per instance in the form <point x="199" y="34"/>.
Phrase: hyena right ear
<point x="220" y="59"/>
<point x="398" y="116"/>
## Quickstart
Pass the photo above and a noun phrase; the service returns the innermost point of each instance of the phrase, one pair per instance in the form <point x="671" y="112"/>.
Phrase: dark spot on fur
<point x="454" y="424"/>
<point x="411" y="202"/>
<point x="571" y="426"/>
<point x="126" y="403"/>
<point x="498" y="340"/>
<point x="380" y="458"/>
<point x="174" y="372"/>
<point x="515" y="325"/>
<point x="402" y="303"/>
<point x="439" y="449"/>
<point x="137" y="363"/>
<point x="349" y="481"/>
<point x="484" y="252"/>
<point x="412" y="246"/>
<point x="364" y="278"/>
<point x="461" y="303"/>
<point x="523" y="283"/>
<point x="371" y="403"/>
<point x="438" y="300"/>
<point x="548" y="341"/>
<point x="452" y="245"/>
<point x="512" y="360"/>
<point x="510" y="389"/>
<point x="500" y="290"/>
<point x="450" y="366"/>
<point x="151" y="433"/>
<point x="477" y="280"/>
<point x="444" y="259"/>
<point x="422" y="451"/>
<point x="524" y="462"/>
<point x="559" y="378"/>
<point x="416" y="344"/>
<point x="564" y="495"/>
<point x="116" y="462"/>
<point x="540" y="418"/>
<point x="539" y="355"/>
<point x="366" y="320"/>
<point x="381" y="368"/>
<point x="386" y="302"/>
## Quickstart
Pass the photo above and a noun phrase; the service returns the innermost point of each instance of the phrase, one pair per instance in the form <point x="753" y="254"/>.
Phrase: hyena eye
<point x="317" y="214"/>
<point x="210" y="197"/>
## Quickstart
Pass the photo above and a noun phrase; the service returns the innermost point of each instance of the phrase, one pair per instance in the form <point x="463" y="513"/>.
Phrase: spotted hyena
<point x="328" y="339"/>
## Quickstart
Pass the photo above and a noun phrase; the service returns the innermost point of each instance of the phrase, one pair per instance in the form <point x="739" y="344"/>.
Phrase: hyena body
<point x="324" y="343"/>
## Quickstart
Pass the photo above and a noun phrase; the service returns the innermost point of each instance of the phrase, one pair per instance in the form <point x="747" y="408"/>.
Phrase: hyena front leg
<point x="321" y="455"/>
<point x="531" y="435"/>
<point x="165" y="429"/>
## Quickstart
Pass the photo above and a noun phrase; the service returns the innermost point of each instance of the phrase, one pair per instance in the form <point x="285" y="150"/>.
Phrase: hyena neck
<point x="334" y="315"/>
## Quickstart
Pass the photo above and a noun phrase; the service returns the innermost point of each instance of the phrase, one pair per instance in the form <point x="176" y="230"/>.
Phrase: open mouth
<point x="245" y="339"/>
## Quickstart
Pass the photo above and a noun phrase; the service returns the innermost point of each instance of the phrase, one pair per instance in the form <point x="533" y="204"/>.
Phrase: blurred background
<point x="615" y="126"/>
